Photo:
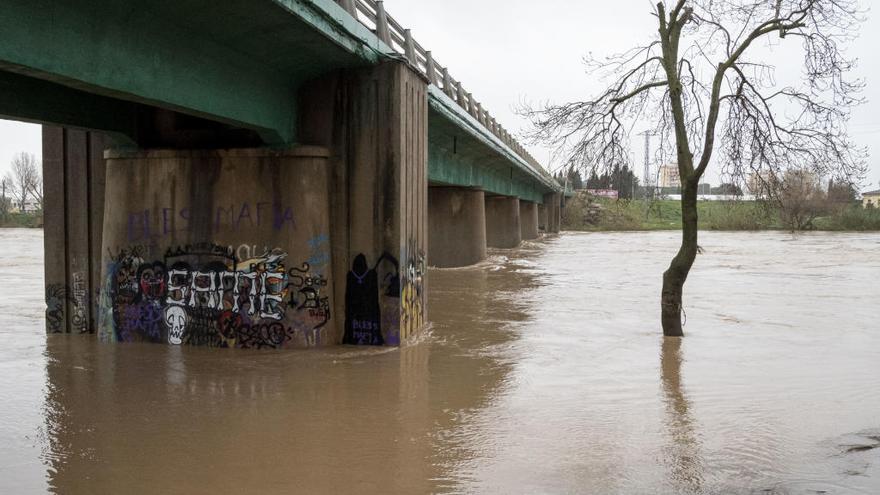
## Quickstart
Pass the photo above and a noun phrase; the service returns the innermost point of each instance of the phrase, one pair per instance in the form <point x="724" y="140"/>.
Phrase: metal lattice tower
<point x="647" y="171"/>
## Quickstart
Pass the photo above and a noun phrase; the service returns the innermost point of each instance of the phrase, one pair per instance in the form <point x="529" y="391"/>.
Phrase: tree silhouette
<point x="701" y="86"/>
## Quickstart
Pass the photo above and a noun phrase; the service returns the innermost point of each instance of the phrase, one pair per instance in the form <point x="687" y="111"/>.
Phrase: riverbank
<point x="590" y="214"/>
<point x="21" y="221"/>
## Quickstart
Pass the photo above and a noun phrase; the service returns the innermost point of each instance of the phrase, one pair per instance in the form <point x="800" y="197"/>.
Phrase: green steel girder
<point x="463" y="153"/>
<point x="34" y="100"/>
<point x="239" y="62"/>
<point x="94" y="63"/>
<point x="468" y="169"/>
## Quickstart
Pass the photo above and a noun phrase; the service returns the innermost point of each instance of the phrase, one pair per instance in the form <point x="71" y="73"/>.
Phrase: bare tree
<point x="4" y="202"/>
<point x="36" y="189"/>
<point x="25" y="179"/>
<point x="800" y="199"/>
<point x="702" y="85"/>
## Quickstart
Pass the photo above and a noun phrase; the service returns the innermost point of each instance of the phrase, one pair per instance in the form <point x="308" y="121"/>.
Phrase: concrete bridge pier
<point x="542" y="218"/>
<point x="553" y="207"/>
<point x="252" y="247"/>
<point x="374" y="122"/>
<point x="503" y="222"/>
<point x="456" y="226"/>
<point x="528" y="220"/>
<point x="218" y="248"/>
<point x="73" y="216"/>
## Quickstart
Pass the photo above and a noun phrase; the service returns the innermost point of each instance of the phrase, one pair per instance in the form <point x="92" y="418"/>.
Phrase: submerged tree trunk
<point x="675" y="276"/>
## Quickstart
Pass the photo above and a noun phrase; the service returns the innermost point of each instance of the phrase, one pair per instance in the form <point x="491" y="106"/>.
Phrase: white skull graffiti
<point x="175" y="318"/>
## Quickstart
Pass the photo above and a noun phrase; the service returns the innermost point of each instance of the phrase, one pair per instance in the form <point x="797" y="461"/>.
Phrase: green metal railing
<point x="371" y="13"/>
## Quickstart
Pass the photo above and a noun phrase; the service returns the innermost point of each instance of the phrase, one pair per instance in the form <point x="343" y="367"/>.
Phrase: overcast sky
<point x="509" y="51"/>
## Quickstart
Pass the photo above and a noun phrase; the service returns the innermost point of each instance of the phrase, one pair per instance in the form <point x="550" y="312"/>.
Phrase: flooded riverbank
<point x="544" y="372"/>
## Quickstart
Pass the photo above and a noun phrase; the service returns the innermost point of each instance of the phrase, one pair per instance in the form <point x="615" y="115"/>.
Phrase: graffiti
<point x="175" y="321"/>
<point x="363" y="317"/>
<point x="318" y="247"/>
<point x="163" y="222"/>
<point x="143" y="318"/>
<point x="260" y="288"/>
<point x="151" y="281"/>
<point x="306" y="296"/>
<point x="202" y="328"/>
<point x="124" y="287"/>
<point x="236" y="332"/>
<point x="202" y="249"/>
<point x="247" y="251"/>
<point x="59" y="298"/>
<point x="204" y="294"/>
<point x="56" y="298"/>
<point x="79" y="318"/>
<point x="412" y="296"/>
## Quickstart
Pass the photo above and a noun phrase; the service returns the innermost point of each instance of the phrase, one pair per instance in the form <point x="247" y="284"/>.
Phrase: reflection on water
<point x="178" y="420"/>
<point x="543" y="373"/>
<point x="683" y="457"/>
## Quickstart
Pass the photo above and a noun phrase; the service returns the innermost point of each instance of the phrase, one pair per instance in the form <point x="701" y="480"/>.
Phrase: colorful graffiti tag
<point x="203" y="294"/>
<point x="163" y="222"/>
<point x="381" y="303"/>
<point x="412" y="297"/>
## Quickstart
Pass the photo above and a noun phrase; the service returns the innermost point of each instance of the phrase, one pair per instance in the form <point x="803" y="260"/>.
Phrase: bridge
<point x="260" y="173"/>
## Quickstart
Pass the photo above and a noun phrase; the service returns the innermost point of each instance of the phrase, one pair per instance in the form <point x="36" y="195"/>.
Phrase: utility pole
<point x="647" y="171"/>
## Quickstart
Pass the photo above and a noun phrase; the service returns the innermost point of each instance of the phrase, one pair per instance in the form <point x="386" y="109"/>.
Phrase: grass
<point x="21" y="220"/>
<point x="853" y="219"/>
<point x="586" y="213"/>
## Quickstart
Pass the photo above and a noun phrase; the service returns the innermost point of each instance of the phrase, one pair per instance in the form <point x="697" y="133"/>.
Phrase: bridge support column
<point x="456" y="227"/>
<point x="502" y="222"/>
<point x="73" y="208"/>
<point x="218" y="248"/>
<point x="528" y="220"/>
<point x="375" y="123"/>
<point x="542" y="218"/>
<point x="553" y="205"/>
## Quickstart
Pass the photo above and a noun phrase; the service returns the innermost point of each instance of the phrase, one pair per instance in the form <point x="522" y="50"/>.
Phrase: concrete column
<point x="502" y="222"/>
<point x="456" y="227"/>
<point x="375" y="122"/>
<point x="542" y="218"/>
<point x="218" y="248"/>
<point x="552" y="202"/>
<point x="528" y="219"/>
<point x="73" y="208"/>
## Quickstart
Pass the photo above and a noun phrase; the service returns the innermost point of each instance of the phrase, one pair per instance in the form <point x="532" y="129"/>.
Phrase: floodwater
<point x="543" y="373"/>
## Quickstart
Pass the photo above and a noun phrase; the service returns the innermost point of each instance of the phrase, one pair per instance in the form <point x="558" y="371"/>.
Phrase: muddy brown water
<point x="543" y="373"/>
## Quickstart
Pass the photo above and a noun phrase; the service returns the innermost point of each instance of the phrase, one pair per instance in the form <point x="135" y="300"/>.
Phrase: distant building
<point x="871" y="199"/>
<point x="715" y="197"/>
<point x="30" y="206"/>
<point x="604" y="193"/>
<point x="669" y="176"/>
<point x="761" y="184"/>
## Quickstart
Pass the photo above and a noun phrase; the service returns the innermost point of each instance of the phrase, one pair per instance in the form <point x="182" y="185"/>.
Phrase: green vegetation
<point x="587" y="213"/>
<point x="851" y="219"/>
<point x="21" y="220"/>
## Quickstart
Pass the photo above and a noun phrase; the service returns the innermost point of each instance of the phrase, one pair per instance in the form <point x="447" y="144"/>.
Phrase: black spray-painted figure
<point x="362" y="314"/>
